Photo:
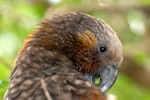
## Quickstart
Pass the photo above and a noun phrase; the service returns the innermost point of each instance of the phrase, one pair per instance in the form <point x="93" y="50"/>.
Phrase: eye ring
<point x="103" y="48"/>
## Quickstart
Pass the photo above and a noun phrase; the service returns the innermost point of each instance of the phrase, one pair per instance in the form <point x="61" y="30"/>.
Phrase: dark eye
<point x="103" y="48"/>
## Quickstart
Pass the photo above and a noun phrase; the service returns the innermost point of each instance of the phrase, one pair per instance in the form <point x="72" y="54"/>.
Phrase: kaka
<point x="64" y="57"/>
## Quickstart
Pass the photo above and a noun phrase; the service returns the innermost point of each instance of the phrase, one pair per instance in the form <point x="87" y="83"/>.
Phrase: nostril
<point x="114" y="65"/>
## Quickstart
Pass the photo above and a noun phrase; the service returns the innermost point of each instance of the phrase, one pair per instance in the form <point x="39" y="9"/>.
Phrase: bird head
<point x="89" y="43"/>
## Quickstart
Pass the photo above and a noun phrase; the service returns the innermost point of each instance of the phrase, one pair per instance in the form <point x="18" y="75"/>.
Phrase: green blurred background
<point x="129" y="18"/>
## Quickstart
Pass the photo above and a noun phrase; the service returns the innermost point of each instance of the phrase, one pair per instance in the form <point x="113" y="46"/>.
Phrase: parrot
<point x="71" y="56"/>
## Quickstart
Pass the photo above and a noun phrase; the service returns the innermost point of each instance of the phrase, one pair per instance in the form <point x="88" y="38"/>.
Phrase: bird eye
<point x="103" y="48"/>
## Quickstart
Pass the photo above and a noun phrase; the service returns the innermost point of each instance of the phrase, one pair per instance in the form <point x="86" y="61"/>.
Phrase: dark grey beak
<point x="107" y="75"/>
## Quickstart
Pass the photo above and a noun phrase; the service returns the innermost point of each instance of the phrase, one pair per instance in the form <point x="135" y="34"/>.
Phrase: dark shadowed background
<point x="129" y="18"/>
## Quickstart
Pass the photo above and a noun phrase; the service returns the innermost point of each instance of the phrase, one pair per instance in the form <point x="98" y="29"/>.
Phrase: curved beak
<point x="104" y="77"/>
